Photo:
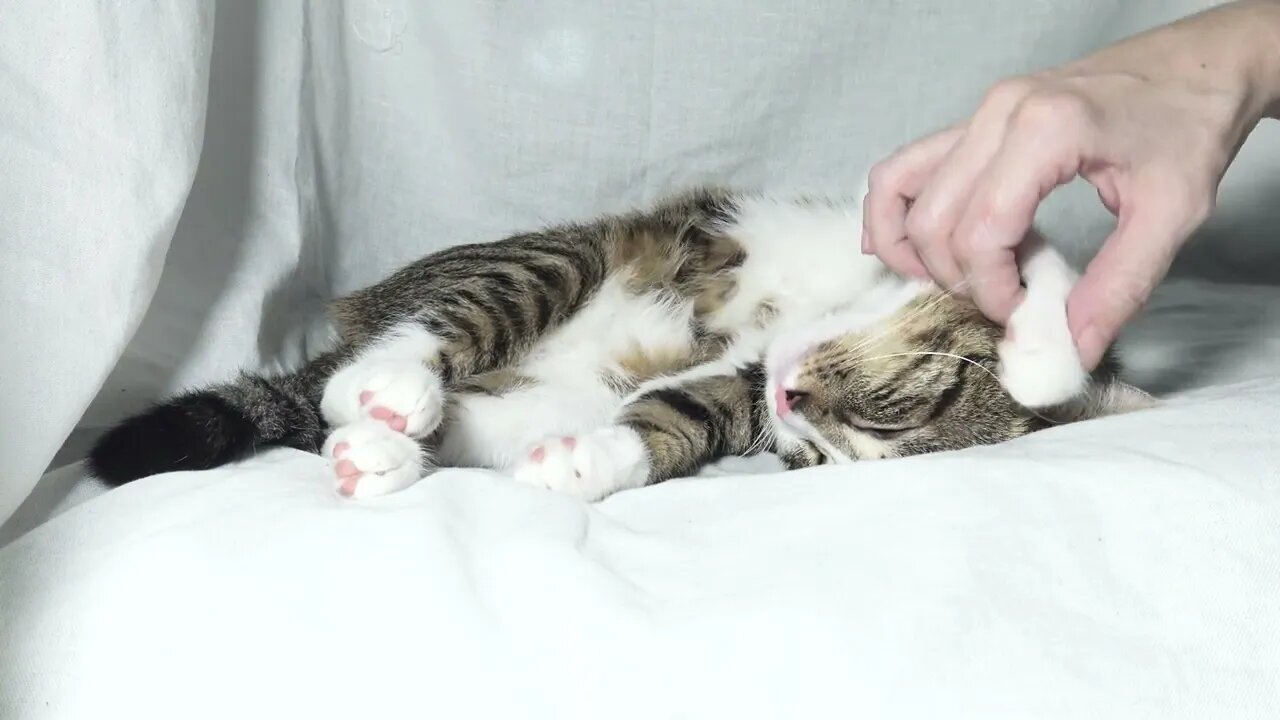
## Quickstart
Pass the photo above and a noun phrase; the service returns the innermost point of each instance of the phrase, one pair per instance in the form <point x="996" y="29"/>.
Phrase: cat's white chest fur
<point x="803" y="261"/>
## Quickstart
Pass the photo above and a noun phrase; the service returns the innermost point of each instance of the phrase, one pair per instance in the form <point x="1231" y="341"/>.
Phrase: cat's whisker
<point x="895" y="323"/>
<point x="758" y="445"/>
<point x="972" y="362"/>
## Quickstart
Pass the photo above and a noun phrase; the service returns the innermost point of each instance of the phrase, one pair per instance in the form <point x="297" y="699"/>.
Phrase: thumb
<point x="1120" y="279"/>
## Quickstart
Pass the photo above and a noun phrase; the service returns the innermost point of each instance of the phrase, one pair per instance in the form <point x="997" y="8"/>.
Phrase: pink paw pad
<point x="348" y="486"/>
<point x="349" y="474"/>
<point x="341" y="448"/>
<point x="539" y="453"/>
<point x="394" y="420"/>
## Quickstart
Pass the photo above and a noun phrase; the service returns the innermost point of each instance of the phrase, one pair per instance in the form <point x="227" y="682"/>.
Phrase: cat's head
<point x="926" y="378"/>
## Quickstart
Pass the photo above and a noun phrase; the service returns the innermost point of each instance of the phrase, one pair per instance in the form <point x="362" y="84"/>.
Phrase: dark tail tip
<point x="196" y="431"/>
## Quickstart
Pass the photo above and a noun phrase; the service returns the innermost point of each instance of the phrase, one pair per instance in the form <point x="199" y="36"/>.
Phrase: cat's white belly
<point x="569" y="394"/>
<point x="496" y="431"/>
<point x="614" y="325"/>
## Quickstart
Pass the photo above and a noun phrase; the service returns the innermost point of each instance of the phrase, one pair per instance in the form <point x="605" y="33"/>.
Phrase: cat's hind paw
<point x="405" y="395"/>
<point x="590" y="466"/>
<point x="369" y="459"/>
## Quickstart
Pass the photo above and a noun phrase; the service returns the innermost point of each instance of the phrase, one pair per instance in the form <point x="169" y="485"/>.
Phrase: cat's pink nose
<point x="793" y="398"/>
<point x="786" y="400"/>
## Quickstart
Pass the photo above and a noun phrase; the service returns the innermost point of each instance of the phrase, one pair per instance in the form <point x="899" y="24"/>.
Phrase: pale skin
<point x="1151" y="122"/>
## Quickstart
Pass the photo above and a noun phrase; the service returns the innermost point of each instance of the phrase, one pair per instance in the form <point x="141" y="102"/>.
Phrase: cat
<point x="594" y="357"/>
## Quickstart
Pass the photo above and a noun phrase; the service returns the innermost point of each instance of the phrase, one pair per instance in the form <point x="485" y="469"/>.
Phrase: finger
<point x="893" y="186"/>
<point x="943" y="201"/>
<point x="1121" y="277"/>
<point x="902" y="258"/>
<point x="937" y="257"/>
<point x="995" y="284"/>
<point x="1002" y="209"/>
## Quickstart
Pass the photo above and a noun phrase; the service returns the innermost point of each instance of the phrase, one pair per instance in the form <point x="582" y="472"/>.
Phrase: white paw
<point x="1039" y="365"/>
<point x="405" y="395"/>
<point x="589" y="466"/>
<point x="370" y="459"/>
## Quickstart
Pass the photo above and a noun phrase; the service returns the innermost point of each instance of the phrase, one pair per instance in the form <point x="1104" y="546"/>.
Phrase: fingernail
<point x="866" y="242"/>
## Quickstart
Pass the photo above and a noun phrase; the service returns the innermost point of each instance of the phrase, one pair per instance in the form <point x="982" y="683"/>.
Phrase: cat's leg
<point x="1039" y="365"/>
<point x="473" y="309"/>
<point x="669" y="429"/>
<point x="465" y="311"/>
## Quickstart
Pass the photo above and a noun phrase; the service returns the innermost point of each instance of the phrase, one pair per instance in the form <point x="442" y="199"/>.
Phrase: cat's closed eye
<point x="880" y="431"/>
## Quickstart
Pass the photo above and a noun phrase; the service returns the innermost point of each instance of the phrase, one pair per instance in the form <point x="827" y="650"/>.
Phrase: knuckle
<point x="1132" y="293"/>
<point x="1126" y="290"/>
<point x="1051" y="113"/>
<point x="883" y="176"/>
<point x="923" y="229"/>
<point x="1009" y="93"/>
<point x="967" y="246"/>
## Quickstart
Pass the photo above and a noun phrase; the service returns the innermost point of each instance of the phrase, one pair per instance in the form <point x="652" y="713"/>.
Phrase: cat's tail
<point x="213" y="426"/>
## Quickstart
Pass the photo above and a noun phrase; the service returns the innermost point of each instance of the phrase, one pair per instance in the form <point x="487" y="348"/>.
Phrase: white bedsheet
<point x="1119" y="568"/>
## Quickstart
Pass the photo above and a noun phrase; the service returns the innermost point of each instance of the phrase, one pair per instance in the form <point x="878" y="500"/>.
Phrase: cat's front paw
<point x="590" y="466"/>
<point x="405" y="395"/>
<point x="369" y="459"/>
<point x="1039" y="364"/>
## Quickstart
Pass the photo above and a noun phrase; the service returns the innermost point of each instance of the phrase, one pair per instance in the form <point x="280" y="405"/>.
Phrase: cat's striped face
<point x="924" y="380"/>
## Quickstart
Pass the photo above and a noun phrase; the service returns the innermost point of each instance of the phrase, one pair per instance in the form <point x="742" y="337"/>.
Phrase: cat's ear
<point x="1102" y="398"/>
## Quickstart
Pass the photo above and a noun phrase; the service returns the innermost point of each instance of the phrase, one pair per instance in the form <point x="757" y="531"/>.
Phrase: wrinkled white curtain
<point x="102" y="115"/>
<point x="337" y="140"/>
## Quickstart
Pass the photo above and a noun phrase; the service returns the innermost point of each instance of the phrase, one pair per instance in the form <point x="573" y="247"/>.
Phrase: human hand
<point x="1152" y="123"/>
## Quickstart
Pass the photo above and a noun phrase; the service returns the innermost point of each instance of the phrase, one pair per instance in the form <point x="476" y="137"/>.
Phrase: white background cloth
<point x="337" y="140"/>
<point x="102" y="110"/>
<point x="1124" y="568"/>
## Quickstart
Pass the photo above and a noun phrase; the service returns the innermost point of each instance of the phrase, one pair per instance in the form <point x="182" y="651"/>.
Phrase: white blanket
<point x="1119" y="568"/>
<point x="1123" y="568"/>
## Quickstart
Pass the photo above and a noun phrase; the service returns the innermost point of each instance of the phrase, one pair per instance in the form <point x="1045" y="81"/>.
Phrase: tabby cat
<point x="595" y="357"/>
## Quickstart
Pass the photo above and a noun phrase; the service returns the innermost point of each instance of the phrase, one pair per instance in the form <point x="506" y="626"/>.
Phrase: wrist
<point x="1257" y="34"/>
<point x="1232" y="52"/>
<point x="1267" y="82"/>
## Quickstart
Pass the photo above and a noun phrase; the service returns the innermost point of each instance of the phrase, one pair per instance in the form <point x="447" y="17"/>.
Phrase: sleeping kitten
<point x="592" y="358"/>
